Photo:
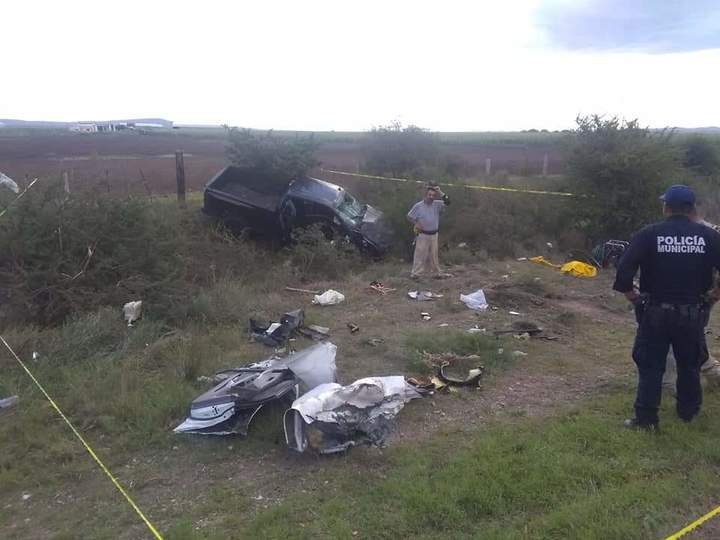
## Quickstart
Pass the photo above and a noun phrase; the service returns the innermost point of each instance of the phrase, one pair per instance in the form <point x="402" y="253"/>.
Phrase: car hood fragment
<point x="230" y="406"/>
<point x="332" y="418"/>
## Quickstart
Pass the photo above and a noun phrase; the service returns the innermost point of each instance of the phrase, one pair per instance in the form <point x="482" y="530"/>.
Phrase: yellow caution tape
<point x="695" y="524"/>
<point x="86" y="445"/>
<point x="468" y="186"/>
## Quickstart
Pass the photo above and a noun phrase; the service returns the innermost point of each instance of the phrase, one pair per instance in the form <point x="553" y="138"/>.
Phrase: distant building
<point x="84" y="128"/>
<point x="107" y="126"/>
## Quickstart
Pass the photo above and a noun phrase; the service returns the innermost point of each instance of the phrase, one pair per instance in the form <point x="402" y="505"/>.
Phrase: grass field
<point x="537" y="452"/>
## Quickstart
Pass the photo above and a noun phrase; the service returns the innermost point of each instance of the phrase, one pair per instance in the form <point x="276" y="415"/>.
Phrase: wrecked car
<point x="244" y="199"/>
<point x="230" y="406"/>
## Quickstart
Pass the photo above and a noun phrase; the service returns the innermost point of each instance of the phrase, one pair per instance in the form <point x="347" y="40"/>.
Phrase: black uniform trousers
<point x="659" y="327"/>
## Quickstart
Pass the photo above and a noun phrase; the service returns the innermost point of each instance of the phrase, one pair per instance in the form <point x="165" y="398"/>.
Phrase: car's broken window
<point x="349" y="208"/>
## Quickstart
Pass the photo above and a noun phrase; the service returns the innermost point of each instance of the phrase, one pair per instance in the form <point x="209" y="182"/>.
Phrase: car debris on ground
<point x="449" y="370"/>
<point x="8" y="402"/>
<point x="9" y="183"/>
<point x="354" y="328"/>
<point x="332" y="418"/>
<point x="329" y="298"/>
<point x="425" y="316"/>
<point x="379" y="287"/>
<point x="277" y="334"/>
<point x="305" y="291"/>
<point x="132" y="311"/>
<point x="424" y="296"/>
<point x="230" y="406"/>
<point x="475" y="300"/>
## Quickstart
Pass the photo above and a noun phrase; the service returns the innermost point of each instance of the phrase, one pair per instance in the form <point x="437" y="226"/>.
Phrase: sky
<point x="337" y="65"/>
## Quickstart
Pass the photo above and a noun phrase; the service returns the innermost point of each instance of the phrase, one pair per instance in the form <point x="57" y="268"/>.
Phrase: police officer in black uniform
<point x="676" y="258"/>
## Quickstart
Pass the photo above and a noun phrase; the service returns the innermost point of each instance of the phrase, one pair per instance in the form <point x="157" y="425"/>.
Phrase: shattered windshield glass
<point x="350" y="209"/>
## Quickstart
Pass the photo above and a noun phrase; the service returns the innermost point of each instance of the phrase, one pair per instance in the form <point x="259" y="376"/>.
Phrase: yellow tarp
<point x="542" y="260"/>
<point x="574" y="268"/>
<point x="579" y="269"/>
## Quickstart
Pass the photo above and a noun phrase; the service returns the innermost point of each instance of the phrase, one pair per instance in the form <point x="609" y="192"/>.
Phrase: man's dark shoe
<point x="634" y="423"/>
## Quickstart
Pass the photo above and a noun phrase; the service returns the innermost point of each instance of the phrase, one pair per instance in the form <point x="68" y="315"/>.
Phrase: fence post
<point x="488" y="166"/>
<point x="545" y="164"/>
<point x="180" y="175"/>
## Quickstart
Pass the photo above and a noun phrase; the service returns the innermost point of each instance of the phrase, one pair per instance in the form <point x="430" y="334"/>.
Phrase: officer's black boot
<point x="634" y="423"/>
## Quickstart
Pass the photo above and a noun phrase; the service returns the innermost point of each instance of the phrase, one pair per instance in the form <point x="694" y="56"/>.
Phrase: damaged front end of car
<point x="231" y="405"/>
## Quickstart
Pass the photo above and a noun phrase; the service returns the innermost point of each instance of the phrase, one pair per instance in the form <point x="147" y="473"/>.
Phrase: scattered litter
<point x="374" y="342"/>
<point x="332" y="418"/>
<point x="549" y="244"/>
<point x="506" y="276"/>
<point x="513" y="313"/>
<point x="476" y="330"/>
<point x="443" y="325"/>
<point x="471" y="379"/>
<point x="475" y="300"/>
<point x="462" y="245"/>
<point x="453" y="370"/>
<point x="329" y="298"/>
<point x="9" y="402"/>
<point x="520" y="259"/>
<point x="318" y="329"/>
<point x="542" y="260"/>
<point x="379" y="287"/>
<point x="9" y="183"/>
<point x="422" y="383"/>
<point x="501" y="350"/>
<point x="230" y="406"/>
<point x="519" y="353"/>
<point x="306" y="291"/>
<point x="26" y="496"/>
<point x="425" y="316"/>
<point x="423" y="296"/>
<point x="523" y="336"/>
<point x="276" y="334"/>
<point x="132" y="311"/>
<point x="36" y="356"/>
<point x="353" y="327"/>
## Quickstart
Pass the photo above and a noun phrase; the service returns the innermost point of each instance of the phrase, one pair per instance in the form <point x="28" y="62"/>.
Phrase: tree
<point x="398" y="150"/>
<point x="271" y="156"/>
<point x="702" y="156"/>
<point x="620" y="169"/>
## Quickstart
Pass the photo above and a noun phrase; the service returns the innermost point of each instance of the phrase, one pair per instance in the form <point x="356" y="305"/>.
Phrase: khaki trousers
<point x="426" y="255"/>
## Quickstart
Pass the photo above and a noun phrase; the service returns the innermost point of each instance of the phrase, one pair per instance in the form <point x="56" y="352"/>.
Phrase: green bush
<point x="61" y="254"/>
<point x="621" y="169"/>
<point x="398" y="150"/>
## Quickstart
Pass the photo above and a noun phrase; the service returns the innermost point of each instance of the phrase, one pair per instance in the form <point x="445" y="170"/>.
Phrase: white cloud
<point x="330" y="65"/>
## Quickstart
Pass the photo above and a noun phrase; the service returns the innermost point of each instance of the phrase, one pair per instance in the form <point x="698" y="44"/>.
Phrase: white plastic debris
<point x="9" y="183"/>
<point x="462" y="245"/>
<point x="422" y="296"/>
<point x="329" y="298"/>
<point x="425" y="316"/>
<point x="476" y="330"/>
<point x="8" y="402"/>
<point x="519" y="353"/>
<point x="132" y="311"/>
<point x="26" y="496"/>
<point x="513" y="313"/>
<point x="475" y="300"/>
